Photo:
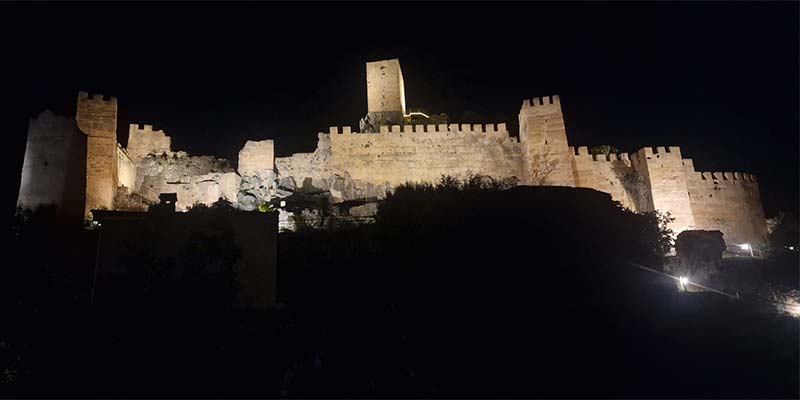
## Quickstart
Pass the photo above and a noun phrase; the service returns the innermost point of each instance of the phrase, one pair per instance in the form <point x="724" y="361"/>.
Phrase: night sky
<point x="719" y="80"/>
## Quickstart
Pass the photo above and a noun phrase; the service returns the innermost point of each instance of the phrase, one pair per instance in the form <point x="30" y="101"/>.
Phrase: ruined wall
<point x="144" y="140"/>
<point x="97" y="118"/>
<point x="306" y="170"/>
<point x="126" y="169"/>
<point x="664" y="172"/>
<point x="422" y="153"/>
<point x="727" y="201"/>
<point x="195" y="178"/>
<point x="257" y="158"/>
<point x="54" y="167"/>
<point x="546" y="155"/>
<point x="613" y="175"/>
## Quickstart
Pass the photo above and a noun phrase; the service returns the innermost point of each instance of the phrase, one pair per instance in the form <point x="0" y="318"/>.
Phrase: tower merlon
<point x="541" y="101"/>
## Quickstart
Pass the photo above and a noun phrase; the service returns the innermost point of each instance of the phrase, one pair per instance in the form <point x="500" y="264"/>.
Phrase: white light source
<point x="283" y="203"/>
<point x="791" y="248"/>
<point x="417" y="113"/>
<point x="745" y="246"/>
<point x="683" y="280"/>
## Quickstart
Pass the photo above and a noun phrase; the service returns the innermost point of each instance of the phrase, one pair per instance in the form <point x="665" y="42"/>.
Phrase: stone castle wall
<point x="663" y="169"/>
<point x="97" y="118"/>
<point x="306" y="170"/>
<point x="727" y="201"/>
<point x="257" y="158"/>
<point x="422" y="153"/>
<point x="126" y="169"/>
<point x="612" y="174"/>
<point x="356" y="166"/>
<point x="196" y="179"/>
<point x="54" y="167"/>
<point x="546" y="156"/>
<point x="144" y="140"/>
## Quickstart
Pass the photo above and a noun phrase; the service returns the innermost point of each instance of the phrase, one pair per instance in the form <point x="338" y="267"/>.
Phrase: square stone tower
<point x="547" y="159"/>
<point x="386" y="96"/>
<point x="97" y="118"/>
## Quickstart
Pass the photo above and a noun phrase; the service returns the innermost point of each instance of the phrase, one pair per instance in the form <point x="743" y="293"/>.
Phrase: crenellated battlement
<point x="658" y="152"/>
<point x="582" y="152"/>
<point x="651" y="178"/>
<point x="144" y="128"/>
<point x="429" y="128"/>
<point x="143" y="140"/>
<point x="541" y="102"/>
<point x="84" y="96"/>
<point x="722" y="177"/>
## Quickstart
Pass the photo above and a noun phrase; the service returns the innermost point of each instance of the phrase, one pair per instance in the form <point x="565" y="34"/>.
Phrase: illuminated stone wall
<point x="126" y="169"/>
<point x="97" y="118"/>
<point x="546" y="156"/>
<point x="612" y="174"/>
<point x="54" y="167"/>
<point x="368" y="164"/>
<point x="309" y="170"/>
<point x="727" y="201"/>
<point x="385" y="88"/>
<point x="424" y="153"/>
<point x="662" y="169"/>
<point x="196" y="179"/>
<point x="144" y="140"/>
<point x="257" y="158"/>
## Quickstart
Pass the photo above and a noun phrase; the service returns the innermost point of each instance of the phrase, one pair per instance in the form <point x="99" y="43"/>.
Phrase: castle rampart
<point x="423" y="153"/>
<point x="613" y="175"/>
<point x="727" y="201"/>
<point x="144" y="140"/>
<point x="663" y="170"/>
<point x="351" y="165"/>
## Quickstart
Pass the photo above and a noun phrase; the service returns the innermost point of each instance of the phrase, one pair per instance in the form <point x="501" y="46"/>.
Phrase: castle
<point x="79" y="166"/>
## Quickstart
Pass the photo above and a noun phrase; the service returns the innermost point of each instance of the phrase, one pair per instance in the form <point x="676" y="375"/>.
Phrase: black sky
<point x="718" y="79"/>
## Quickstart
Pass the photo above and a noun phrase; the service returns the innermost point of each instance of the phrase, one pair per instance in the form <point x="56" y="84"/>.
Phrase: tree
<point x="539" y="167"/>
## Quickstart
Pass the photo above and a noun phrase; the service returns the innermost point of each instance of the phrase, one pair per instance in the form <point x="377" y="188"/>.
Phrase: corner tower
<point x="545" y="154"/>
<point x="97" y="118"/>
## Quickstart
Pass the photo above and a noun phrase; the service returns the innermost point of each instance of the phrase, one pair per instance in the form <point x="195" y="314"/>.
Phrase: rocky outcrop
<point x="174" y="167"/>
<point x="196" y="179"/>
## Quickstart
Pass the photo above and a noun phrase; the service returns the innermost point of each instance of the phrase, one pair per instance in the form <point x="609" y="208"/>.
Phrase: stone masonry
<point x="366" y="165"/>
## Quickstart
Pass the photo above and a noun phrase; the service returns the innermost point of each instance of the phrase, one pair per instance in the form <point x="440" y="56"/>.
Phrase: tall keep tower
<point x="386" y="96"/>
<point x="546" y="156"/>
<point x="97" y="118"/>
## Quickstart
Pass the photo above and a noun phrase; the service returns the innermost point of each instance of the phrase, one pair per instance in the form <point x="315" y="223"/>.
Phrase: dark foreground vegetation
<point x="452" y="292"/>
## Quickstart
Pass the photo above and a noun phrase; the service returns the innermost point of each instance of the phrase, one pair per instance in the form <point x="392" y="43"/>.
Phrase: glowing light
<point x="417" y="113"/>
<point x="283" y="203"/>
<point x="682" y="282"/>
<point x="791" y="248"/>
<point x="794" y="310"/>
<point x="745" y="246"/>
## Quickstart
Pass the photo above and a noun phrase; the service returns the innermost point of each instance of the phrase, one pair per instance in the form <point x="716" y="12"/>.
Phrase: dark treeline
<point x="454" y="291"/>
